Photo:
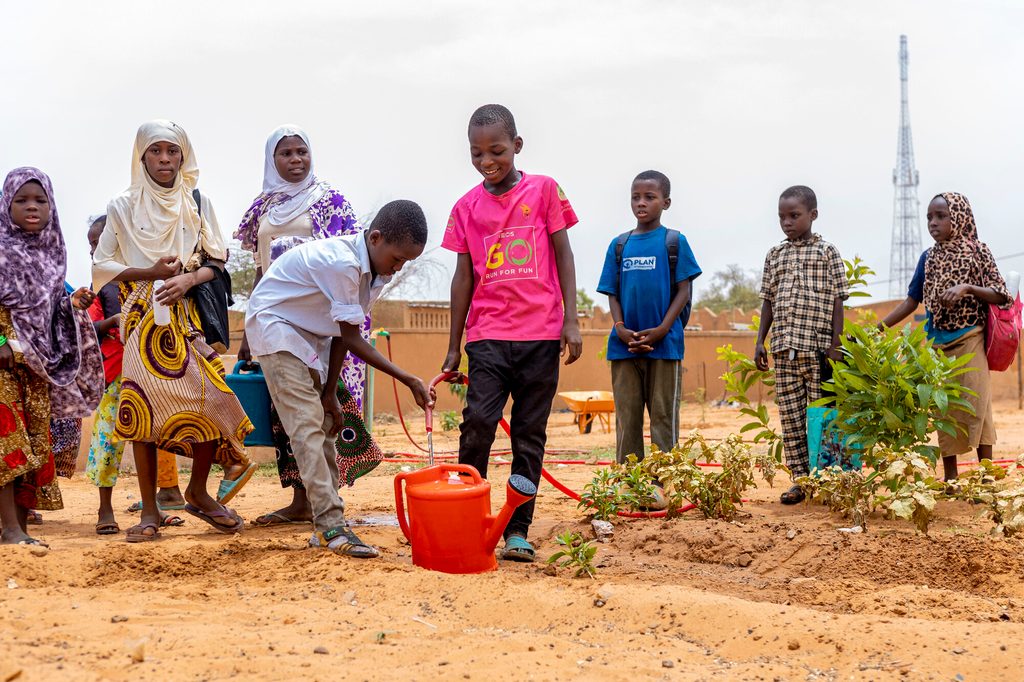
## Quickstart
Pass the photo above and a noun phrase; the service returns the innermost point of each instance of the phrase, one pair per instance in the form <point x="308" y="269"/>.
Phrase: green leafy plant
<point x="893" y="388"/>
<point x="450" y="420"/>
<point x="636" y="484"/>
<point x="846" y="491"/>
<point x="602" y="496"/>
<point x="717" y="492"/>
<point x="857" y="273"/>
<point x="741" y="377"/>
<point x="907" y="485"/>
<point x="576" y="553"/>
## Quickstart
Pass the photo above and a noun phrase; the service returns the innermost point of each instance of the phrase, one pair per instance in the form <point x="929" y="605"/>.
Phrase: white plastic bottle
<point x="161" y="313"/>
<point x="1013" y="284"/>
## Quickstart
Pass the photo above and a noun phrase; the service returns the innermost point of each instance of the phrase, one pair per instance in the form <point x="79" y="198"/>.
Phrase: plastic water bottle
<point x="1013" y="284"/>
<point x="161" y="313"/>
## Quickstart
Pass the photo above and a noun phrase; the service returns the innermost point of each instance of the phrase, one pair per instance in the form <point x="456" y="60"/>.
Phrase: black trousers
<point x="527" y="371"/>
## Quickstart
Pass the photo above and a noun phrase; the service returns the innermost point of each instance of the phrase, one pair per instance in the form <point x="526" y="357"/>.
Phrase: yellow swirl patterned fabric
<point x="173" y="393"/>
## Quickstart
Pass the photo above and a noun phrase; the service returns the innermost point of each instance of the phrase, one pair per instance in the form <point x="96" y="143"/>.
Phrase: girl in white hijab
<point x="173" y="394"/>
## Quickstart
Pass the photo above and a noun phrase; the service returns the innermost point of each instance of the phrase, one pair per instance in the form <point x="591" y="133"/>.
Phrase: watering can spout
<point x="520" y="490"/>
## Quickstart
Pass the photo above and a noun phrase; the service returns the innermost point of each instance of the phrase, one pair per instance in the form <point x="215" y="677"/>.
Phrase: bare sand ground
<point x="812" y="604"/>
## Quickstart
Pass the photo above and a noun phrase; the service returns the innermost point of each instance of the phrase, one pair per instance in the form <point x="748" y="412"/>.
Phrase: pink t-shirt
<point x="516" y="296"/>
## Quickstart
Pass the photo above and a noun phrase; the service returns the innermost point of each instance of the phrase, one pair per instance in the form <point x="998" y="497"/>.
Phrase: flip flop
<point x="137" y="532"/>
<point x="222" y="513"/>
<point x="34" y="518"/>
<point x="228" y="489"/>
<point x="277" y="519"/>
<point x="343" y="541"/>
<point x="171" y="520"/>
<point x="136" y="507"/>
<point x="107" y="528"/>
<point x="518" y="549"/>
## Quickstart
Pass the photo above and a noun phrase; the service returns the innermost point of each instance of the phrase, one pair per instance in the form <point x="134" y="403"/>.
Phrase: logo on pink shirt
<point x="510" y="255"/>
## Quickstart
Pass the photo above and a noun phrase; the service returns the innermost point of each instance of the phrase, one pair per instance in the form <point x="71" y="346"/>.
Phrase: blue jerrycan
<point x="250" y="386"/>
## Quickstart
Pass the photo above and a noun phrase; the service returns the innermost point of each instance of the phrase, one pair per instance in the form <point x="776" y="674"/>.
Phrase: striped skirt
<point x="173" y="393"/>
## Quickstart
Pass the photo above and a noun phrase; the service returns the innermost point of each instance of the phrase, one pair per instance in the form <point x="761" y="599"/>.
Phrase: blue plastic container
<point x="249" y="384"/>
<point x="826" y="445"/>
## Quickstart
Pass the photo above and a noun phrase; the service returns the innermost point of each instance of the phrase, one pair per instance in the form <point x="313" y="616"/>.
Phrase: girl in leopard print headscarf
<point x="955" y="279"/>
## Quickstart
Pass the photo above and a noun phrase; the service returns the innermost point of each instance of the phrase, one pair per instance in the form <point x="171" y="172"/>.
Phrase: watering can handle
<point x="247" y="367"/>
<point x="400" y="506"/>
<point x="444" y="376"/>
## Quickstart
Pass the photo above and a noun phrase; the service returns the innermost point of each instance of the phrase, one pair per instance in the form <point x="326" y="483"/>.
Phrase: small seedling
<point x="578" y="554"/>
<point x="450" y="420"/>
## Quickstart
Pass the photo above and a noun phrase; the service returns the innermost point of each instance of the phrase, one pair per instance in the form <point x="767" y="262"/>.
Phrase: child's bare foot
<point x="201" y="505"/>
<point x="296" y="512"/>
<point x="170" y="497"/>
<point x="232" y="472"/>
<point x="12" y="536"/>
<point x="106" y="524"/>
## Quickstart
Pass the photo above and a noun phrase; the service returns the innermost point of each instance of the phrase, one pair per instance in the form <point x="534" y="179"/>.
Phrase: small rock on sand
<point x="791" y="534"/>
<point x="744" y="560"/>
<point x="603" y="530"/>
<point x="793" y="645"/>
<point x="320" y="650"/>
<point x="667" y="664"/>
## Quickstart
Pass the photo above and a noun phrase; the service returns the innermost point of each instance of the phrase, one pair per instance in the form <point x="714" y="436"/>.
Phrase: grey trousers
<point x="295" y="390"/>
<point x="651" y="384"/>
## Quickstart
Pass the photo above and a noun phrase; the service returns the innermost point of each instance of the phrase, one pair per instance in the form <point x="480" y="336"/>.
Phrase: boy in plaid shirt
<point x="803" y="286"/>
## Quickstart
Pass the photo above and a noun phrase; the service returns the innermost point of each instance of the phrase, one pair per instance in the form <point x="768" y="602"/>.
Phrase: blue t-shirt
<point x="646" y="291"/>
<point x="939" y="337"/>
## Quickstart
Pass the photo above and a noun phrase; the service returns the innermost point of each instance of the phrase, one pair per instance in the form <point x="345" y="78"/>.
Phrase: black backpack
<point x="212" y="300"/>
<point x="672" y="246"/>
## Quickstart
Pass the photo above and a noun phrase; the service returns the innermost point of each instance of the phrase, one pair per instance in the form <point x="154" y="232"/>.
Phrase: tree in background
<point x="731" y="288"/>
<point x="242" y="268"/>
<point x="584" y="304"/>
<point x="419" y="280"/>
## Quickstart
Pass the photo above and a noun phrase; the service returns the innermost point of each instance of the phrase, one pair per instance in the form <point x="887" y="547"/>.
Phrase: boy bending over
<point x="303" y="317"/>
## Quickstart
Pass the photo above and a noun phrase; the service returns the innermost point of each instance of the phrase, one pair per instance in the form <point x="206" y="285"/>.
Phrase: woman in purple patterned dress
<point x="295" y="207"/>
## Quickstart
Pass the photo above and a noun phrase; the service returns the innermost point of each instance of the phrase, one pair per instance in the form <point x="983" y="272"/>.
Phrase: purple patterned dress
<point x="331" y="216"/>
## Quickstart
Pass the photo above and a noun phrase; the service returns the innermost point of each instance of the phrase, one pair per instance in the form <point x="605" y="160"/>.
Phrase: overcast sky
<point x="734" y="101"/>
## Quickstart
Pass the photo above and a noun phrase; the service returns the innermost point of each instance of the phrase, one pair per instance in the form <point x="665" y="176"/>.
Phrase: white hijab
<point x="292" y="198"/>
<point x="147" y="222"/>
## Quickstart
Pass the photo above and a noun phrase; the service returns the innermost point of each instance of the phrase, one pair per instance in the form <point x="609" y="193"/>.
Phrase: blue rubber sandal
<point x="228" y="489"/>
<point x="517" y="548"/>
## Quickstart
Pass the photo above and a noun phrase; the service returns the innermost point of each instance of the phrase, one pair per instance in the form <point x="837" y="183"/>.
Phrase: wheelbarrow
<point x="587" y="405"/>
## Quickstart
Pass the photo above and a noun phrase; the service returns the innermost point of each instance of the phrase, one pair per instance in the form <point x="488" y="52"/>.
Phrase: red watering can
<point x="449" y="525"/>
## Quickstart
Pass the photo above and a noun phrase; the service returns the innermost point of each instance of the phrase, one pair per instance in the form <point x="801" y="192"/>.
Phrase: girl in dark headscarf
<point x="956" y="279"/>
<point x="50" y="367"/>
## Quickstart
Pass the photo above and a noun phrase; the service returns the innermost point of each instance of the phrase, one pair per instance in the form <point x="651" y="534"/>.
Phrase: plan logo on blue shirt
<point x="639" y="263"/>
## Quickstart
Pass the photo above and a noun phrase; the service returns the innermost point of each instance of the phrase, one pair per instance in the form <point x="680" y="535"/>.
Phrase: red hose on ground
<point x="508" y="431"/>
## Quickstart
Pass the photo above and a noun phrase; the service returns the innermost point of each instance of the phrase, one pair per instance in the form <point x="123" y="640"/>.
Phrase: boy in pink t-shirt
<point x="514" y="295"/>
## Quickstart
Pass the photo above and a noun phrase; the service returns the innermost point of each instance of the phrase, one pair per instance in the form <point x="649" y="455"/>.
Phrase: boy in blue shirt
<point x="647" y="276"/>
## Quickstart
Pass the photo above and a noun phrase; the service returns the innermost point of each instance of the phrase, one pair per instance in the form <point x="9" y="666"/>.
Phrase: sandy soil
<point x="678" y="602"/>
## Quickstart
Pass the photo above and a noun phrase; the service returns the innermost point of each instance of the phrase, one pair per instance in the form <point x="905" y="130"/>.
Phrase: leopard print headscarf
<point x="960" y="260"/>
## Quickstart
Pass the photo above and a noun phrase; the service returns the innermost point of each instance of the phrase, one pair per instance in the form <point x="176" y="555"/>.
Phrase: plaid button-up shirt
<point x="802" y="280"/>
